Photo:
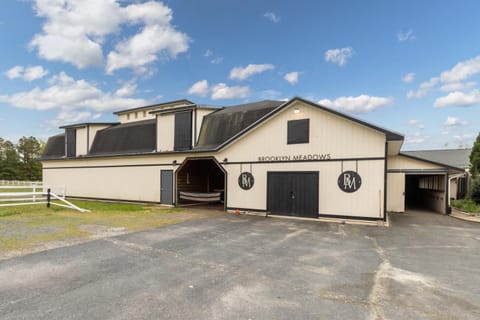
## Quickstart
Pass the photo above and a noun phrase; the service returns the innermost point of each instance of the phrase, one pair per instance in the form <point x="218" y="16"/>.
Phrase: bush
<point x="475" y="193"/>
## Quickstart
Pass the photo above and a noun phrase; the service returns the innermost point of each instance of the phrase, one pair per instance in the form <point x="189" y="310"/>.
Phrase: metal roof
<point x="185" y="101"/>
<point x="459" y="158"/>
<point x="222" y="125"/>
<point x="131" y="137"/>
<point x="55" y="147"/>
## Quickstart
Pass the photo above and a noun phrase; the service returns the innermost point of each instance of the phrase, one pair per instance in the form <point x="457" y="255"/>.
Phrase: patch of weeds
<point x="467" y="205"/>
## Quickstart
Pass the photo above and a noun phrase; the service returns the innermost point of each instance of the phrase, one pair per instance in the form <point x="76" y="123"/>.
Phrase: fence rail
<point x="39" y="194"/>
<point x="19" y="183"/>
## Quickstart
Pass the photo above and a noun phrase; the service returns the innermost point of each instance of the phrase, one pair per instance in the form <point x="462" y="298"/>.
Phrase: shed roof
<point x="158" y="105"/>
<point x="127" y="138"/>
<point x="459" y="158"/>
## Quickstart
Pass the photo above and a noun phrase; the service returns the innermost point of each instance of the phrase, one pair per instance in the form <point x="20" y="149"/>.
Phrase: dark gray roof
<point x="84" y="124"/>
<point x="222" y="125"/>
<point x="185" y="101"/>
<point x="55" y="147"/>
<point x="458" y="158"/>
<point x="127" y="138"/>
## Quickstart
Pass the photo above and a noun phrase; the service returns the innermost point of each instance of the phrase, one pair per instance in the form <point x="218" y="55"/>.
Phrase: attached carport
<point x="414" y="183"/>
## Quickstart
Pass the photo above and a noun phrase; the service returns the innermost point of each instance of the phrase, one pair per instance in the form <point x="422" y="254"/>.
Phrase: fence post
<point x="48" y="198"/>
<point x="34" y="190"/>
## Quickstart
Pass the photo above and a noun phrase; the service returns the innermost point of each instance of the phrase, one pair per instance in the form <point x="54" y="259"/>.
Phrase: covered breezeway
<point x="201" y="182"/>
<point x="426" y="191"/>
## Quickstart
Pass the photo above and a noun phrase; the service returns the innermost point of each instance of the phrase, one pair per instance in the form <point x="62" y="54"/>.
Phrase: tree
<point x="475" y="158"/>
<point x="9" y="161"/>
<point x="29" y="150"/>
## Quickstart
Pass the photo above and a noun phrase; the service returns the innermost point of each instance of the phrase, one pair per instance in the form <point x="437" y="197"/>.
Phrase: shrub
<point x="475" y="193"/>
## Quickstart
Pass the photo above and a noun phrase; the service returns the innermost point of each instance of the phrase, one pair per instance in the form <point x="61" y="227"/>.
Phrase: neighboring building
<point x="288" y="158"/>
<point x="460" y="158"/>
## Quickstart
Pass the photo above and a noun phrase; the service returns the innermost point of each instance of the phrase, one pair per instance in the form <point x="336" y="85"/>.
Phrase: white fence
<point x="35" y="193"/>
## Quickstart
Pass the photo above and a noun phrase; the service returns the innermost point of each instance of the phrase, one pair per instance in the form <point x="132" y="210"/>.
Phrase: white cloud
<point x="416" y="138"/>
<point x="409" y="77"/>
<point x="66" y="93"/>
<point x="416" y="123"/>
<point x="339" y="56"/>
<point x="292" y="77"/>
<point x="272" y="17"/>
<point x="404" y="36"/>
<point x="222" y="91"/>
<point x="459" y="99"/>
<point x="462" y="71"/>
<point x="453" y="122"/>
<point x="199" y="88"/>
<point x="208" y="53"/>
<point x="360" y="104"/>
<point x="458" y="86"/>
<point x="72" y="116"/>
<point x="127" y="90"/>
<point x="213" y="59"/>
<point x="243" y="73"/>
<point x="15" y="72"/>
<point x="424" y="88"/>
<point x="74" y="31"/>
<point x="27" y="74"/>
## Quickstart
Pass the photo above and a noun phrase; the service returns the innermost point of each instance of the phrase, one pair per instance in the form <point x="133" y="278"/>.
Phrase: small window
<point x="128" y="116"/>
<point x="144" y="114"/>
<point x="298" y="131"/>
<point x="136" y="115"/>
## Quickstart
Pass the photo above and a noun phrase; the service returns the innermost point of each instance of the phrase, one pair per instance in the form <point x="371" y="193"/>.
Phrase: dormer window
<point x="298" y="131"/>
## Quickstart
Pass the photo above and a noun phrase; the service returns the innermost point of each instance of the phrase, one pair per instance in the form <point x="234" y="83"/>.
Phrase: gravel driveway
<point x="241" y="267"/>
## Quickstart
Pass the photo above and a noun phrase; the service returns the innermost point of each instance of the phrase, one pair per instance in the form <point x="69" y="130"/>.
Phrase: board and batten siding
<point x="330" y="135"/>
<point x="396" y="192"/>
<point x="165" y="132"/>
<point x="82" y="143"/>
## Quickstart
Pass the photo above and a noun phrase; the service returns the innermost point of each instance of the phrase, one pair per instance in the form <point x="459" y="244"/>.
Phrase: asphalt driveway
<point x="426" y="266"/>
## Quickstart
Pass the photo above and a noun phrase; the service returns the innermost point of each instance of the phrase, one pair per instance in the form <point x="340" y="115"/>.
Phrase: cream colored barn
<point x="293" y="158"/>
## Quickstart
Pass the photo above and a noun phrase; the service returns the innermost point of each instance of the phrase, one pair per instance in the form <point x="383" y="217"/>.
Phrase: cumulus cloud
<point x="424" y="88"/>
<point x="72" y="116"/>
<point x="409" y="77"/>
<point x="74" y="31"/>
<point x="458" y="86"/>
<point x="462" y="71"/>
<point x="66" y="93"/>
<point x="292" y="77"/>
<point x="453" y="122"/>
<point x="453" y="80"/>
<point x="128" y="89"/>
<point x="199" y="88"/>
<point x="27" y="74"/>
<point x="339" y="56"/>
<point x="459" y="99"/>
<point x="243" y="73"/>
<point x="222" y="91"/>
<point x="272" y="17"/>
<point x="404" y="36"/>
<point x="360" y="104"/>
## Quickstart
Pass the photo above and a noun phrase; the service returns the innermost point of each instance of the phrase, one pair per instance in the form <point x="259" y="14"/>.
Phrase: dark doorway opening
<point x="426" y="192"/>
<point x="201" y="181"/>
<point x="293" y="194"/>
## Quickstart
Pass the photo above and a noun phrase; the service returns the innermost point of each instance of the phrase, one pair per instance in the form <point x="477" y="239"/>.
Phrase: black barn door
<point x="293" y="193"/>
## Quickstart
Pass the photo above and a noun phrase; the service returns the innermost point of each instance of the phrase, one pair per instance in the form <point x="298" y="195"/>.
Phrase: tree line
<point x="21" y="161"/>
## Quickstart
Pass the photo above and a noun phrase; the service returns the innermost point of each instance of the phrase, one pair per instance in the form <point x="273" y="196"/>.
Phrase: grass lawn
<point x="467" y="205"/>
<point x="25" y="228"/>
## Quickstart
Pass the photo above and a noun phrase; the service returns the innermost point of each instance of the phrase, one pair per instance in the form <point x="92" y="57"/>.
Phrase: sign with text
<point x="349" y="181"/>
<point x="246" y="180"/>
<point x="296" y="157"/>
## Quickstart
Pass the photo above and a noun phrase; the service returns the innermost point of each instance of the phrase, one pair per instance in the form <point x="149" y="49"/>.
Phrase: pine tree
<point x="475" y="158"/>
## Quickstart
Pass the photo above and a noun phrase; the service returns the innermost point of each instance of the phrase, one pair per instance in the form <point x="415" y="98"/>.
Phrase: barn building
<point x="294" y="158"/>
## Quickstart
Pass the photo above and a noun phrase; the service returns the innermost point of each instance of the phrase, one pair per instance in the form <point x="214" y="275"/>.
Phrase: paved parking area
<point x="425" y="266"/>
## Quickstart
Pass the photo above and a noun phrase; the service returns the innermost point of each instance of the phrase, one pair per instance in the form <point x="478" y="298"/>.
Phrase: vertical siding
<point x="82" y="146"/>
<point x="165" y="132"/>
<point x="396" y="192"/>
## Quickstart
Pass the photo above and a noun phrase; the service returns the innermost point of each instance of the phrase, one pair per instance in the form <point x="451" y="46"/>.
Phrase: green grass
<point x="25" y="227"/>
<point x="467" y="205"/>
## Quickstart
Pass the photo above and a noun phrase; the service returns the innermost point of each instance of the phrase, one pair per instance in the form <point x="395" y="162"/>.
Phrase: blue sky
<point x="409" y="66"/>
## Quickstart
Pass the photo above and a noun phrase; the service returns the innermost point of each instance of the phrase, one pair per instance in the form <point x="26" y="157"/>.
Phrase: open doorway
<point x="428" y="192"/>
<point x="201" y="182"/>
